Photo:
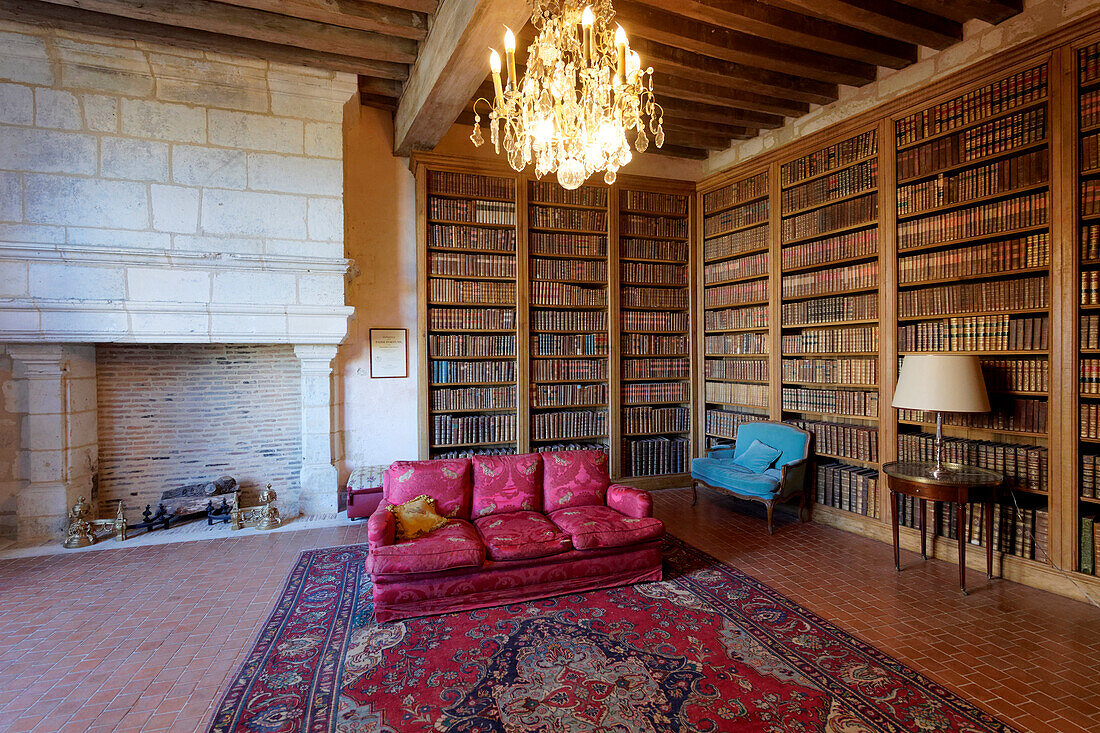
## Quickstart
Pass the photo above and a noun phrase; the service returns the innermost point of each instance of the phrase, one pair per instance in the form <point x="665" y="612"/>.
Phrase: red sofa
<point x="523" y="527"/>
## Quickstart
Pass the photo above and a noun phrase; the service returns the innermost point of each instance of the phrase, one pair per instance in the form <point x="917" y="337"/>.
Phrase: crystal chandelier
<point x="583" y="95"/>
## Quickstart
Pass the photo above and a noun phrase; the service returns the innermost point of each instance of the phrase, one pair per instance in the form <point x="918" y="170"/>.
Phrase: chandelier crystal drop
<point x="584" y="96"/>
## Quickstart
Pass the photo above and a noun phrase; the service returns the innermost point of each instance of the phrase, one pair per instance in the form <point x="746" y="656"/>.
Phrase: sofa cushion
<point x="758" y="457"/>
<point x="446" y="481"/>
<point x="455" y="545"/>
<point x="416" y="517"/>
<point x="574" y="478"/>
<point x="520" y="536"/>
<point x="725" y="474"/>
<point x="506" y="484"/>
<point x="591" y="527"/>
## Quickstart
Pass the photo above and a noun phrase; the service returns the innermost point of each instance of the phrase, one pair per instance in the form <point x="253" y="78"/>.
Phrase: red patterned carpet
<point x="708" y="649"/>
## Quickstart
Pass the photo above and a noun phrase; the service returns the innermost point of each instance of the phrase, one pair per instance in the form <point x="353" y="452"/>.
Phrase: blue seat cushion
<point x="725" y="474"/>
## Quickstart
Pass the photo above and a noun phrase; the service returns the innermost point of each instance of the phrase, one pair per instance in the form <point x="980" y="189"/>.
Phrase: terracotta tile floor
<point x="143" y="639"/>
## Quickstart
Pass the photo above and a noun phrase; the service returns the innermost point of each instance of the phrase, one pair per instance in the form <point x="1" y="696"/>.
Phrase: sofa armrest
<point x="721" y="452"/>
<point x="629" y="501"/>
<point x="381" y="528"/>
<point x="794" y="476"/>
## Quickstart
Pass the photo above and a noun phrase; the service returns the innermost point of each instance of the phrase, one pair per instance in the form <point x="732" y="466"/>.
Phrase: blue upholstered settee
<point x="782" y="479"/>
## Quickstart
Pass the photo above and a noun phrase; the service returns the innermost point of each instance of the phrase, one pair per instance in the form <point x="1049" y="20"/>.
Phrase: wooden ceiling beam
<point x="380" y="87"/>
<point x="740" y="48"/>
<point x="683" y="109"/>
<point x="694" y="139"/>
<point x="419" y="6"/>
<point x="960" y="11"/>
<point x="75" y="19"/>
<point x="884" y="17"/>
<point x="227" y="20"/>
<point x="727" y="74"/>
<point x="364" y="16"/>
<point x="671" y="84"/>
<point x="453" y="62"/>
<point x="784" y="26"/>
<point x="679" y="151"/>
<point x="684" y="122"/>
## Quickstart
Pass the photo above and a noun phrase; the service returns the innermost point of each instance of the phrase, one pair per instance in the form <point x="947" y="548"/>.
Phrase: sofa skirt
<point x="501" y="583"/>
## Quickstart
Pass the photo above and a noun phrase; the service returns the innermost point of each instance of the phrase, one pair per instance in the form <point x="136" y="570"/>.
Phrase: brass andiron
<point x="81" y="531"/>
<point x="260" y="517"/>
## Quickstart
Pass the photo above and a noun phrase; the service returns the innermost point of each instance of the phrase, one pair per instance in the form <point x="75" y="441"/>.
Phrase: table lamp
<point x="941" y="383"/>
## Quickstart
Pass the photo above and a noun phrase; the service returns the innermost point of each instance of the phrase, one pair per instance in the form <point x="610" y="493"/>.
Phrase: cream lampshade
<point x="941" y="383"/>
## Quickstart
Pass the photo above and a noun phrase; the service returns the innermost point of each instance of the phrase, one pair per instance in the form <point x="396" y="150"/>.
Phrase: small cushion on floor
<point x="591" y="527"/>
<point x="758" y="457"/>
<point x="520" y="536"/>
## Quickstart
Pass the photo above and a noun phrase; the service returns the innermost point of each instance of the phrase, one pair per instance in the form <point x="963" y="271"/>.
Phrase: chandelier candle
<point x="583" y="98"/>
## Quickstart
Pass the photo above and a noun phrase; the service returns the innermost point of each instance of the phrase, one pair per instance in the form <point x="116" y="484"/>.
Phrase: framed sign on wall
<point x="389" y="353"/>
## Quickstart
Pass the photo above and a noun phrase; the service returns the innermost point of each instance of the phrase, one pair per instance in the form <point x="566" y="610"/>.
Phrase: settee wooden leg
<point x="694" y="493"/>
<point x="771" y="508"/>
<point x="804" y="507"/>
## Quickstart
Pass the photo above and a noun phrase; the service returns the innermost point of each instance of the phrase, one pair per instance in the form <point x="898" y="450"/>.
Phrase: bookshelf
<point x="736" y="239"/>
<point x="1087" y="272"/>
<point x="654" y="307"/>
<point x="470" y="283"/>
<point x="829" y="315"/>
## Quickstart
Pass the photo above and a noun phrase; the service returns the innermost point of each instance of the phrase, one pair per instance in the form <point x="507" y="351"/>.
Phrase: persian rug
<point x="707" y="649"/>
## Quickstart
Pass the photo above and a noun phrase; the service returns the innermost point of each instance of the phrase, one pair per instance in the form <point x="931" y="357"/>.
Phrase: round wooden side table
<point x="958" y="484"/>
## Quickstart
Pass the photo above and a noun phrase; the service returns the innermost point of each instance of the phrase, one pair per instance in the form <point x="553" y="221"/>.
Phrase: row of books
<point x="1090" y="287"/>
<point x="572" y="445"/>
<point x="558" y="243"/>
<point x="648" y="344"/>
<point x="1007" y="413"/>
<point x="992" y="138"/>
<point x="654" y="368"/>
<point x="1090" y="332"/>
<point x="849" y="181"/>
<point x="735" y="294"/>
<point x="737" y="394"/>
<point x="648" y="419"/>
<point x="642" y="393"/>
<point x="755" y="316"/>
<point x="461" y="429"/>
<point x="462" y="292"/>
<point x="1089" y="463"/>
<point x="665" y="321"/>
<point x="830" y="158"/>
<point x="986" y="295"/>
<point x="1090" y="197"/>
<point x="472" y="398"/>
<point x="988" y="258"/>
<point x="586" y="344"/>
<point x="736" y="344"/>
<point x="563" y="295"/>
<point x="473" y="265"/>
<point x="1090" y="376"/>
<point x="658" y="203"/>
<point x="735" y="193"/>
<point x="857" y="339"/>
<point x="451" y="372"/>
<point x="467" y="184"/>
<point x="568" y="424"/>
<point x="1090" y="243"/>
<point x="637" y="225"/>
<point x="478" y="451"/>
<point x="742" y="216"/>
<point x="552" y="217"/>
<point x="831" y="310"/>
<point x="656" y="456"/>
<point x="465" y="345"/>
<point x="454" y="236"/>
<point x="496" y="319"/>
<point x="1002" y="95"/>
<point x="742" y="267"/>
<point x="730" y="245"/>
<point x="648" y="273"/>
<point x="1088" y="63"/>
<point x="593" y="320"/>
<point x="1023" y="466"/>
<point x="850" y="488"/>
<point x="564" y="370"/>
<point x="1090" y="108"/>
<point x="652" y="249"/>
<point x="562" y="269"/>
<point x="828" y="218"/>
<point x="552" y="193"/>
<point x="977" y="221"/>
<point x="723" y="423"/>
<point x="634" y="297"/>
<point x="1090" y="420"/>
<point x="831" y="280"/>
<point x="567" y="395"/>
<point x="975" y="333"/>
<point x="863" y="243"/>
<point x="858" y="372"/>
<point x="994" y="178"/>
<point x="750" y="370"/>
<point x="1090" y="151"/>
<point x="1016" y="375"/>
<point x="468" y="210"/>
<point x="1019" y="532"/>
<point x="850" y="402"/>
<point x="842" y="439"/>
<point x="1089" y="550"/>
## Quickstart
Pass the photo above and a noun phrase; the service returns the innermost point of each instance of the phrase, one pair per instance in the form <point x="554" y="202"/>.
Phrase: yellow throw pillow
<point x="416" y="517"/>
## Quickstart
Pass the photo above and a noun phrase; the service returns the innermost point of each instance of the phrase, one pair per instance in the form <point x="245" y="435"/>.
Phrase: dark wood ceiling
<point x="725" y="69"/>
